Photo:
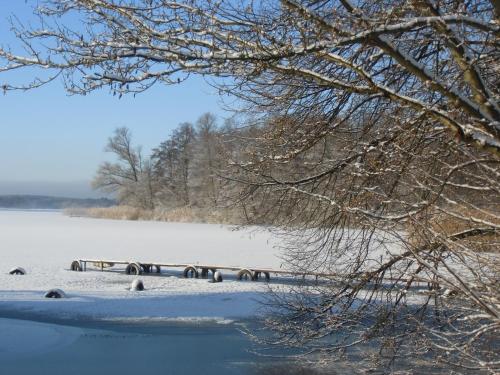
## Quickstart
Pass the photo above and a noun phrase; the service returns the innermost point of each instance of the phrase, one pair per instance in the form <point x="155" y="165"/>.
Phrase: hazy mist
<point x="74" y="189"/>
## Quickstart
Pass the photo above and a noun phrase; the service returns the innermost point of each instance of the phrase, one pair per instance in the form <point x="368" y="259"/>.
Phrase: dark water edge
<point x="168" y="348"/>
<point x="47" y="202"/>
<point x="31" y="209"/>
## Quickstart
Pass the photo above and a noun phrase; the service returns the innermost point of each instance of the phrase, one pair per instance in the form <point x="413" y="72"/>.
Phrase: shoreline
<point x="132" y="306"/>
<point x="131" y="324"/>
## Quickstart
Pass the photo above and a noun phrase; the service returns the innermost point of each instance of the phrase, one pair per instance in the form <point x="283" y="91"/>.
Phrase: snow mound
<point x="17" y="271"/>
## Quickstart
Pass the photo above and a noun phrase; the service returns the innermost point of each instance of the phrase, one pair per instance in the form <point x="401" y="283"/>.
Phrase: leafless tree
<point x="208" y="160"/>
<point x="172" y="162"/>
<point x="378" y="149"/>
<point x="403" y="220"/>
<point x="131" y="176"/>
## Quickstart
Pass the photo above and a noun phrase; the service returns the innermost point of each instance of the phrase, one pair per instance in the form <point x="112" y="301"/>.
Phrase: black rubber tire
<point x="150" y="268"/>
<point x="206" y="271"/>
<point x="55" y="293"/>
<point x="76" y="266"/>
<point x="245" y="275"/>
<point x="137" y="285"/>
<point x="133" y="269"/>
<point x="191" y="272"/>
<point x="17" y="271"/>
<point x="215" y="279"/>
<point x="258" y="275"/>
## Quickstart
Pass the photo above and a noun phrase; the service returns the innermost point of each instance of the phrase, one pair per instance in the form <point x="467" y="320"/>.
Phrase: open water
<point x="28" y="347"/>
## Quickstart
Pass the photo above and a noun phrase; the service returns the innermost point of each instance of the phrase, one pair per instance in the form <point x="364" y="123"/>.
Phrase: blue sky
<point x="48" y="138"/>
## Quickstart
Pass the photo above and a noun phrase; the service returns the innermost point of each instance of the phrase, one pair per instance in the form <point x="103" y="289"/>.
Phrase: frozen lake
<point x="45" y="244"/>
<point x="176" y="326"/>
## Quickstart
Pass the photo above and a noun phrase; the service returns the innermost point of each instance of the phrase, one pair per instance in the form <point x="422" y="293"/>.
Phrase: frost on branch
<point x="439" y="58"/>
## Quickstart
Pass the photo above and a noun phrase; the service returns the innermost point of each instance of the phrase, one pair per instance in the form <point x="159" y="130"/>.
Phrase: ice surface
<point x="45" y="244"/>
<point x="18" y="338"/>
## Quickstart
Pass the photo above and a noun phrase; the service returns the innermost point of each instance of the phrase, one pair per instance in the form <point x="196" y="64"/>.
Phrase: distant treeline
<point x="46" y="202"/>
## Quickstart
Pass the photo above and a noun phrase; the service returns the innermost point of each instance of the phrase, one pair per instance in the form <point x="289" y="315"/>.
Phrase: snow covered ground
<point x="45" y="243"/>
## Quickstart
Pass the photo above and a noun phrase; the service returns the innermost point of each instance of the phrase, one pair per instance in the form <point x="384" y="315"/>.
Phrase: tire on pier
<point x="190" y="272"/>
<point x="151" y="268"/>
<point x="76" y="266"/>
<point x="146" y="268"/>
<point x="245" y="275"/>
<point x="206" y="271"/>
<point x="133" y="269"/>
<point x="261" y="274"/>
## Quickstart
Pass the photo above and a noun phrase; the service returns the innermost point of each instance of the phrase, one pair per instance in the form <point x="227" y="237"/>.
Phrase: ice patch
<point x="19" y="338"/>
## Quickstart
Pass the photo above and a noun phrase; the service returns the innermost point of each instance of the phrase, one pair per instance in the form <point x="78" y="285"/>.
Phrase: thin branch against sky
<point x="50" y="136"/>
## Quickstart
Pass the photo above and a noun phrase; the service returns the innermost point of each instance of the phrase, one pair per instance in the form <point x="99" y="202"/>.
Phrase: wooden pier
<point x="190" y="270"/>
<point x="195" y="270"/>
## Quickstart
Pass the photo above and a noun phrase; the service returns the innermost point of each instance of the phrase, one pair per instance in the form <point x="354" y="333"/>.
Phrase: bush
<point x="179" y="215"/>
<point x="455" y="220"/>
